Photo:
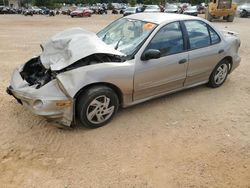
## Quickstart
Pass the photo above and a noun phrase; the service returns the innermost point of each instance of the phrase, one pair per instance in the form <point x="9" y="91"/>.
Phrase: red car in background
<point x="81" y="12"/>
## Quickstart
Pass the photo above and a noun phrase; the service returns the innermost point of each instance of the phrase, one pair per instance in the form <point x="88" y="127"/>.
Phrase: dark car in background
<point x="28" y="12"/>
<point x="45" y="10"/>
<point x="244" y="10"/>
<point x="7" y="10"/>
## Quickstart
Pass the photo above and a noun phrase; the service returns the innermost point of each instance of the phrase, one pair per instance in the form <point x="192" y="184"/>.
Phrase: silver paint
<point x="136" y="80"/>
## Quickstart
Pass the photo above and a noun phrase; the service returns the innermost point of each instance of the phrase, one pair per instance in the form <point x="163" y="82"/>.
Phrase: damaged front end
<point x="35" y="73"/>
<point x="36" y="88"/>
<point x="35" y="84"/>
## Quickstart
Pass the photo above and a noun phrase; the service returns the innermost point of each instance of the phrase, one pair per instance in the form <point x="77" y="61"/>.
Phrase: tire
<point x="209" y="17"/>
<point x="243" y="14"/>
<point x="230" y="18"/>
<point x="219" y="74"/>
<point x="91" y="106"/>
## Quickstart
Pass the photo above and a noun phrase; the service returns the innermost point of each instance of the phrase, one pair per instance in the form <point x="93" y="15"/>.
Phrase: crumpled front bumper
<point x="48" y="101"/>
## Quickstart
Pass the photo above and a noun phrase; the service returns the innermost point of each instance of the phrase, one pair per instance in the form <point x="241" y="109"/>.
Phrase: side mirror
<point x="151" y="54"/>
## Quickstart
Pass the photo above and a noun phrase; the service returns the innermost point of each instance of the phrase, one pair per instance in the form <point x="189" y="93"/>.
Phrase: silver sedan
<point x="83" y="78"/>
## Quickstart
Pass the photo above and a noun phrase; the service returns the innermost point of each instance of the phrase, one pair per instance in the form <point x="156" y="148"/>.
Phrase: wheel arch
<point x="110" y="85"/>
<point x="230" y="61"/>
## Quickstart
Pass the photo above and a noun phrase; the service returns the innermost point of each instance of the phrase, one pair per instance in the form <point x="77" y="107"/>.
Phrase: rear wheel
<point x="219" y="74"/>
<point x="96" y="106"/>
<point x="230" y="18"/>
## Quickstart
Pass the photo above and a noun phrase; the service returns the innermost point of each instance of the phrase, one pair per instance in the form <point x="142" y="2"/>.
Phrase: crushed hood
<point x="71" y="45"/>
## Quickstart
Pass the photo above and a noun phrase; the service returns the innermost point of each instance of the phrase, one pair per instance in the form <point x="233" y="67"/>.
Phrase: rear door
<point x="205" y="51"/>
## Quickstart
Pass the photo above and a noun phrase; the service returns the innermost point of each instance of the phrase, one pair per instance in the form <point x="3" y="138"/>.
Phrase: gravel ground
<point x="195" y="138"/>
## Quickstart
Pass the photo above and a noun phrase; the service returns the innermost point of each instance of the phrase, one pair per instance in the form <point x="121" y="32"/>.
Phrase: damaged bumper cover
<point x="48" y="101"/>
<point x="39" y="85"/>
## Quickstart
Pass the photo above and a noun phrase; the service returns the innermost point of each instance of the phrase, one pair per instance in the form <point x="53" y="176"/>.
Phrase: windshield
<point x="152" y="7"/>
<point x="192" y="8"/>
<point x="80" y="9"/>
<point x="126" y="35"/>
<point x="172" y="7"/>
<point x="131" y="9"/>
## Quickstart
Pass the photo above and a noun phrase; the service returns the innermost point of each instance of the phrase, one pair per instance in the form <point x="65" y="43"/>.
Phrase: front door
<point x="158" y="76"/>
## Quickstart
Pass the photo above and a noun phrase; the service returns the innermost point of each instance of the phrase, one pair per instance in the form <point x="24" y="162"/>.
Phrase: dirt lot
<point x="195" y="138"/>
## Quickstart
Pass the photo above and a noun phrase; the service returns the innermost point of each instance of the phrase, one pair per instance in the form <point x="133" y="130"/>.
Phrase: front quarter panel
<point x="118" y="74"/>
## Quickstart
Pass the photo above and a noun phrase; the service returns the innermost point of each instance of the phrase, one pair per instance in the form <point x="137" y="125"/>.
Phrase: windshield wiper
<point x="117" y="45"/>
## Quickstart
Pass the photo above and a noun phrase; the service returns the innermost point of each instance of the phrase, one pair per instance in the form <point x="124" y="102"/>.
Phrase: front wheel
<point x="219" y="74"/>
<point x="96" y="106"/>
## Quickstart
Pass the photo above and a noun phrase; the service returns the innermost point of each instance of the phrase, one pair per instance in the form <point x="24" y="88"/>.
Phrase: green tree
<point x="132" y="3"/>
<point x="46" y="3"/>
<point x="148" y="2"/>
<point x="110" y="6"/>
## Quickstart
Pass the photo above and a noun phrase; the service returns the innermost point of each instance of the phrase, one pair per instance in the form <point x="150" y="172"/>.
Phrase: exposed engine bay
<point x="35" y="73"/>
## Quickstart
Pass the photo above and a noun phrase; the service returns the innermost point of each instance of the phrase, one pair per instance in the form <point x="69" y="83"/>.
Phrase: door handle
<point x="182" y="61"/>
<point x="220" y="51"/>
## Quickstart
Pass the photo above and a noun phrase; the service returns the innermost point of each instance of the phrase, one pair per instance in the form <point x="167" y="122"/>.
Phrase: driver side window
<point x="168" y="40"/>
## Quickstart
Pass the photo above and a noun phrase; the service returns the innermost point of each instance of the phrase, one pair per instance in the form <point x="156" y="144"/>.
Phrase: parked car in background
<point x="81" y="12"/>
<point x="123" y="9"/>
<point x="130" y="10"/>
<point x="183" y="7"/>
<point x="52" y="13"/>
<point x="171" y="8"/>
<point x="28" y="12"/>
<point x="82" y="77"/>
<point x="201" y="9"/>
<point x="8" y="10"/>
<point x="65" y="11"/>
<point x="115" y="11"/>
<point x="244" y="10"/>
<point x="192" y="11"/>
<point x="37" y="10"/>
<point x="45" y="10"/>
<point x="152" y="8"/>
<point x="1" y="7"/>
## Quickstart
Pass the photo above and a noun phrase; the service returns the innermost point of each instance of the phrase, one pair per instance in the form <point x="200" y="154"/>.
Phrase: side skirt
<point x="162" y="94"/>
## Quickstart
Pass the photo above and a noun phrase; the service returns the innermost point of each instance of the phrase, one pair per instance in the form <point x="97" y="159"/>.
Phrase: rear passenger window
<point x="168" y="40"/>
<point x="214" y="36"/>
<point x="198" y="34"/>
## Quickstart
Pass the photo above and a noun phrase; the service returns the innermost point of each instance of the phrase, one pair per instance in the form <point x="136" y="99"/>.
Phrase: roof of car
<point x="161" y="17"/>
